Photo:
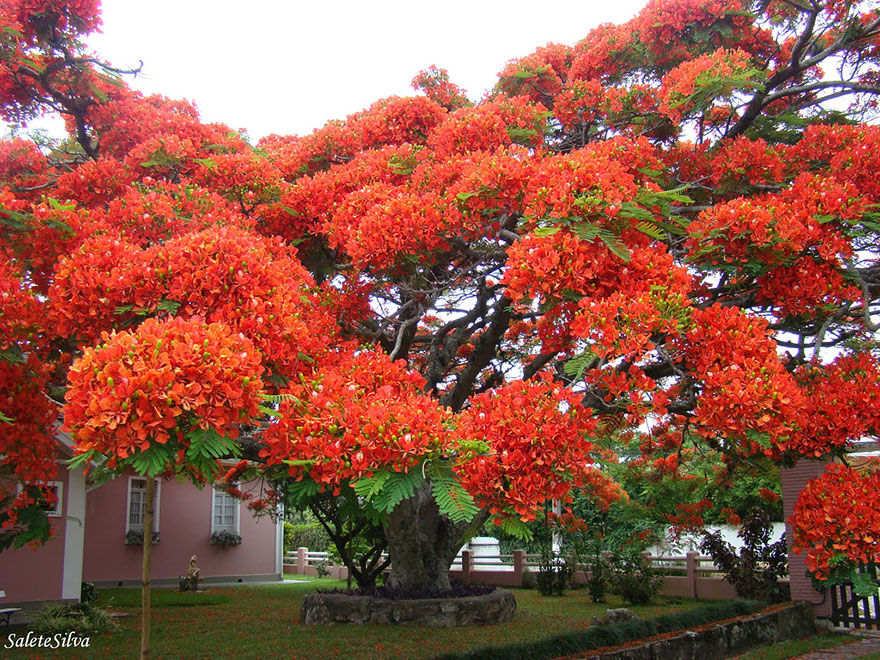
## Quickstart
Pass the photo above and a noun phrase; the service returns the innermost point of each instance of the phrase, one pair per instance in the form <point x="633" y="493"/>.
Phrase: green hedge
<point x="308" y="535"/>
<point x="613" y="634"/>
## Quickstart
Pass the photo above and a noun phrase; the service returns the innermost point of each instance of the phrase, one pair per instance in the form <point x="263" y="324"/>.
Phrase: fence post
<point x="301" y="560"/>
<point x="466" y="565"/>
<point x="692" y="562"/>
<point x="519" y="564"/>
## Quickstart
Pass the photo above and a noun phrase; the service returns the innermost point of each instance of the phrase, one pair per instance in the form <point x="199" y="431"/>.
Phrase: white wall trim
<point x="74" y="535"/>
<point x="279" y="544"/>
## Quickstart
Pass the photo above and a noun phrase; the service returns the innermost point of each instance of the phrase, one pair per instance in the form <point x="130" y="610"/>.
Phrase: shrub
<point x="635" y="578"/>
<point x="597" y="576"/>
<point x="87" y="593"/>
<point x="310" y="535"/>
<point x="554" y="573"/>
<point x="81" y="618"/>
<point x="754" y="572"/>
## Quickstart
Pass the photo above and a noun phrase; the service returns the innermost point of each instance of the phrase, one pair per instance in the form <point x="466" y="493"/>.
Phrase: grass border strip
<point x="610" y="635"/>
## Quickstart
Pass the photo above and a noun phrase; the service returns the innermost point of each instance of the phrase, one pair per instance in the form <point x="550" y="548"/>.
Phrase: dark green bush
<point x="81" y="618"/>
<point x="87" y="593"/>
<point x="635" y="578"/>
<point x="757" y="569"/>
<point x="308" y="535"/>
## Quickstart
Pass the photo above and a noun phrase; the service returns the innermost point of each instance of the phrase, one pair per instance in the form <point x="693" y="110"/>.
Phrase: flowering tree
<point x="669" y="224"/>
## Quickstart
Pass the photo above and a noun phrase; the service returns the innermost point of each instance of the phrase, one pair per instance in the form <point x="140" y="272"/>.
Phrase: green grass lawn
<point x="263" y="622"/>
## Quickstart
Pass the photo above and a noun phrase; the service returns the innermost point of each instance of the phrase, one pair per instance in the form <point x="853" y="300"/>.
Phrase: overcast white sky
<point x="270" y="66"/>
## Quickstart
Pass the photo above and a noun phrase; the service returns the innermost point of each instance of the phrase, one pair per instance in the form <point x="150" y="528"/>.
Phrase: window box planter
<point x="225" y="539"/>
<point x="136" y="537"/>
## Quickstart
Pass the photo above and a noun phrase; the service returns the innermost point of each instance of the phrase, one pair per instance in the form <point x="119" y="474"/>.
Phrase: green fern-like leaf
<point x="613" y="243"/>
<point x="576" y="366"/>
<point x="651" y="229"/>
<point x="368" y="487"/>
<point x="301" y="492"/>
<point x="516" y="528"/>
<point x="397" y="487"/>
<point x="452" y="499"/>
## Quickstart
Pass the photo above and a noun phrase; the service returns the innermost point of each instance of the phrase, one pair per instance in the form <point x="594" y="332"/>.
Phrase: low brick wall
<point x="323" y="608"/>
<point x="723" y="640"/>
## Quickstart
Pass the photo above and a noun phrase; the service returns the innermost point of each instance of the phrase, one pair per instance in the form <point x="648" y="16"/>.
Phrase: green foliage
<point x="398" y="487"/>
<point x="452" y="499"/>
<point x="152" y="461"/>
<point x="634" y="577"/>
<point x="368" y="487"/>
<point x="31" y="526"/>
<point x="87" y="593"/>
<point x="306" y="535"/>
<point x="553" y="576"/>
<point x="755" y="571"/>
<point x="300" y="493"/>
<point x="81" y="618"/>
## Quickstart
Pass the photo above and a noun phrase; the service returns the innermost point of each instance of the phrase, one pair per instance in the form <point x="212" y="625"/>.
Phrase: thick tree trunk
<point x="422" y="544"/>
<point x="145" y="570"/>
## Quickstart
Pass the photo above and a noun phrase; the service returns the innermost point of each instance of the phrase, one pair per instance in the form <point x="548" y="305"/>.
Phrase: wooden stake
<point x="145" y="570"/>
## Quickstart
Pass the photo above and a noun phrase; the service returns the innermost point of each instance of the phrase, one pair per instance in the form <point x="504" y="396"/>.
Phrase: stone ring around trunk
<point x="495" y="607"/>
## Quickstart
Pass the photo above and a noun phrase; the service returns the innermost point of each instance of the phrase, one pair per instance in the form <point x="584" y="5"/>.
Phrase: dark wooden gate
<point x="849" y="610"/>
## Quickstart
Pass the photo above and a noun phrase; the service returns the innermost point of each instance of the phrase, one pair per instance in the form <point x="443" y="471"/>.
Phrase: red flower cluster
<point x="539" y="439"/>
<point x="843" y="404"/>
<point x="836" y="521"/>
<point x="147" y="386"/>
<point x="360" y="415"/>
<point x="747" y="395"/>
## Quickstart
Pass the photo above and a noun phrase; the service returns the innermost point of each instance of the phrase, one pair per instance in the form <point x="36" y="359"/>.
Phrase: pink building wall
<point x="184" y="530"/>
<point x="27" y="573"/>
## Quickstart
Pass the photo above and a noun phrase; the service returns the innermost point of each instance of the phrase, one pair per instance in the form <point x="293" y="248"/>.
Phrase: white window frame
<point x="58" y="508"/>
<point x="236" y="512"/>
<point x="158" y="497"/>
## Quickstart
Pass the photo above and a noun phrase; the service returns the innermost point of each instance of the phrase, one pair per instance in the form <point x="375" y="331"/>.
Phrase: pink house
<point x="92" y="525"/>
<point x="53" y="571"/>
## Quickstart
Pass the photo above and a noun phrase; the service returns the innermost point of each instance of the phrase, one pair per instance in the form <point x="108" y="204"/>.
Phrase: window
<point x="54" y="510"/>
<point x="224" y="512"/>
<point x="137" y="505"/>
<point x="57" y="488"/>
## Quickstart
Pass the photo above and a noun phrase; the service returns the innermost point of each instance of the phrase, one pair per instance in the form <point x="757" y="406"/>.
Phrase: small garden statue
<point x="190" y="582"/>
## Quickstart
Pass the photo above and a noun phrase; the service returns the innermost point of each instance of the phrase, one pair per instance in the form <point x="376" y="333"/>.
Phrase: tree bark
<point x="145" y="570"/>
<point x="422" y="544"/>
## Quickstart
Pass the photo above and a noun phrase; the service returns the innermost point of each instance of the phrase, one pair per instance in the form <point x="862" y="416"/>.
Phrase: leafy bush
<point x="225" y="539"/>
<point x="309" y="535"/>
<point x="755" y="572"/>
<point x="598" y="574"/>
<point x="554" y="573"/>
<point x="87" y="593"/>
<point x="635" y="578"/>
<point x="81" y="618"/>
